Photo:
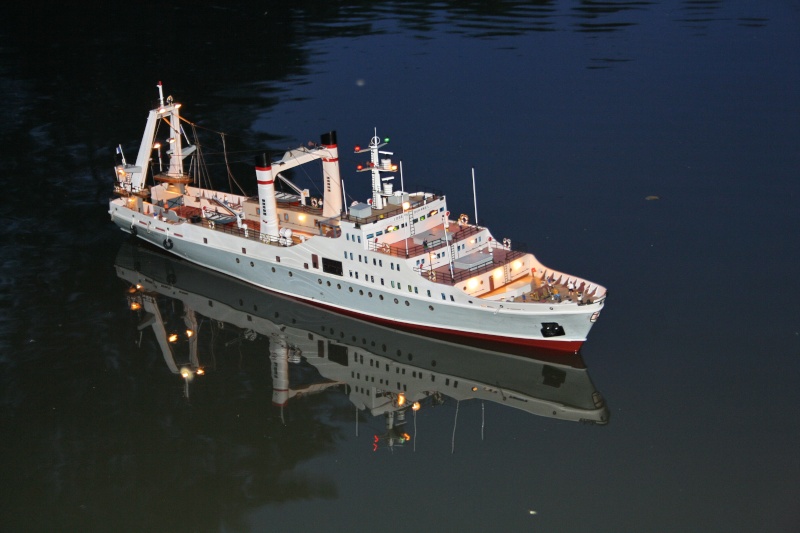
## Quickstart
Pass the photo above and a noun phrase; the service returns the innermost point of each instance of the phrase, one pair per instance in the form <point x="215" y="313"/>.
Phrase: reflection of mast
<point x="147" y="303"/>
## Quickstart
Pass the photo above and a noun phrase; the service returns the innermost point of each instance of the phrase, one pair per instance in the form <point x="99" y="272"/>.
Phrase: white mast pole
<point x="474" y="196"/>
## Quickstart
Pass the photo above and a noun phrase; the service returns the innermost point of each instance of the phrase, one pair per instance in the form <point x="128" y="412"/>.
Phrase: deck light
<point x="401" y="400"/>
<point x="173" y="337"/>
<point x="415" y="406"/>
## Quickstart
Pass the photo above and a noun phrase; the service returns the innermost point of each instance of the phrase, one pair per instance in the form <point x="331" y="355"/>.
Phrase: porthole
<point x="433" y="363"/>
<point x="360" y="292"/>
<point x="273" y="269"/>
<point x="329" y="284"/>
<point x="319" y="281"/>
<point x="410" y="357"/>
<point x="430" y="307"/>
<point x="407" y="304"/>
<point x="339" y="286"/>
<point x="291" y="274"/>
<point x="252" y="264"/>
<point x="350" y="289"/>
<point x="237" y="259"/>
<point x="369" y="294"/>
<point x="380" y="296"/>
<point x="396" y="301"/>
<point x="383" y="346"/>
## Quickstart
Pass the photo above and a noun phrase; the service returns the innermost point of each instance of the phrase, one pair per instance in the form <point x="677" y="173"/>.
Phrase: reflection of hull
<point x="376" y="362"/>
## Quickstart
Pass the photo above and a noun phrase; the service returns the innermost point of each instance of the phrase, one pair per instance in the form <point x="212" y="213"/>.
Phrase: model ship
<point x="398" y="258"/>
<point x="383" y="371"/>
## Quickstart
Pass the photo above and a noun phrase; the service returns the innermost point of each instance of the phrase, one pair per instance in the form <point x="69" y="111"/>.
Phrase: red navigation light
<point x="358" y="148"/>
<point x="359" y="167"/>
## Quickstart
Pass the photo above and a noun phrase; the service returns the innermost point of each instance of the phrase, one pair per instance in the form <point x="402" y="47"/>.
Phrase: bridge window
<point x="332" y="266"/>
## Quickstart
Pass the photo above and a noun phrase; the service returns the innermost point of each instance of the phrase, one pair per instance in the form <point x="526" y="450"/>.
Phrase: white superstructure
<point x="398" y="258"/>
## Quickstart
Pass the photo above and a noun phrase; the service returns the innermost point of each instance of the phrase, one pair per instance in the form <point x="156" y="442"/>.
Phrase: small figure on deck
<point x="580" y="298"/>
<point x="570" y="287"/>
<point x="425" y="244"/>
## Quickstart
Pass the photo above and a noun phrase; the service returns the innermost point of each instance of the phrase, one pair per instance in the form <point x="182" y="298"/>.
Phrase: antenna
<point x="474" y="196"/>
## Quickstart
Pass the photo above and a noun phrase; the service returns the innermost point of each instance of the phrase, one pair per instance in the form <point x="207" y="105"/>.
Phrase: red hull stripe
<point x="178" y="235"/>
<point x="565" y="347"/>
<point x="161" y="229"/>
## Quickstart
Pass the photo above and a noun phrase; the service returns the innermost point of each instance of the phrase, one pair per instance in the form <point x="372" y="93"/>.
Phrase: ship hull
<point x="436" y="309"/>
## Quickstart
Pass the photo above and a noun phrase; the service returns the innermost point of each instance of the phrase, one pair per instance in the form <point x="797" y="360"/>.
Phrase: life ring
<point x="134" y="231"/>
<point x="463" y="220"/>
<point x="385" y="248"/>
<point x="168" y="244"/>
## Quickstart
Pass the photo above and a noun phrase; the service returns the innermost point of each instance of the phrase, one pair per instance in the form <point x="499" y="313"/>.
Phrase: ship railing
<point x="248" y="233"/>
<point x="398" y="250"/>
<point x="445" y="276"/>
<point x="428" y="197"/>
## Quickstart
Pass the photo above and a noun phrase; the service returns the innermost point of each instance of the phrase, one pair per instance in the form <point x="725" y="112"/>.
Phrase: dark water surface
<point x="572" y="114"/>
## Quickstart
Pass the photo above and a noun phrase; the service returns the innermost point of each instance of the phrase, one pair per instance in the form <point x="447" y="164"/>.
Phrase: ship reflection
<point x="384" y="372"/>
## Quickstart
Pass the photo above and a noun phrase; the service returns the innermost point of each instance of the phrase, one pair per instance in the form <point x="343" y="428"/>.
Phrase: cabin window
<point x="429" y="293"/>
<point x="305" y="265"/>
<point x="277" y="259"/>
<point x="370" y="236"/>
<point x="286" y="217"/>
<point x="205" y="241"/>
<point x="332" y="266"/>
<point x="379" y="233"/>
<point x="315" y="260"/>
<point x="244" y="250"/>
<point x="359" y="239"/>
<point x="444" y="297"/>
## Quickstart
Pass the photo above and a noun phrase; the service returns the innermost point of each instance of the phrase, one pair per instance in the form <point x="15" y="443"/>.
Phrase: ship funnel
<point x="332" y="204"/>
<point x="268" y="207"/>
